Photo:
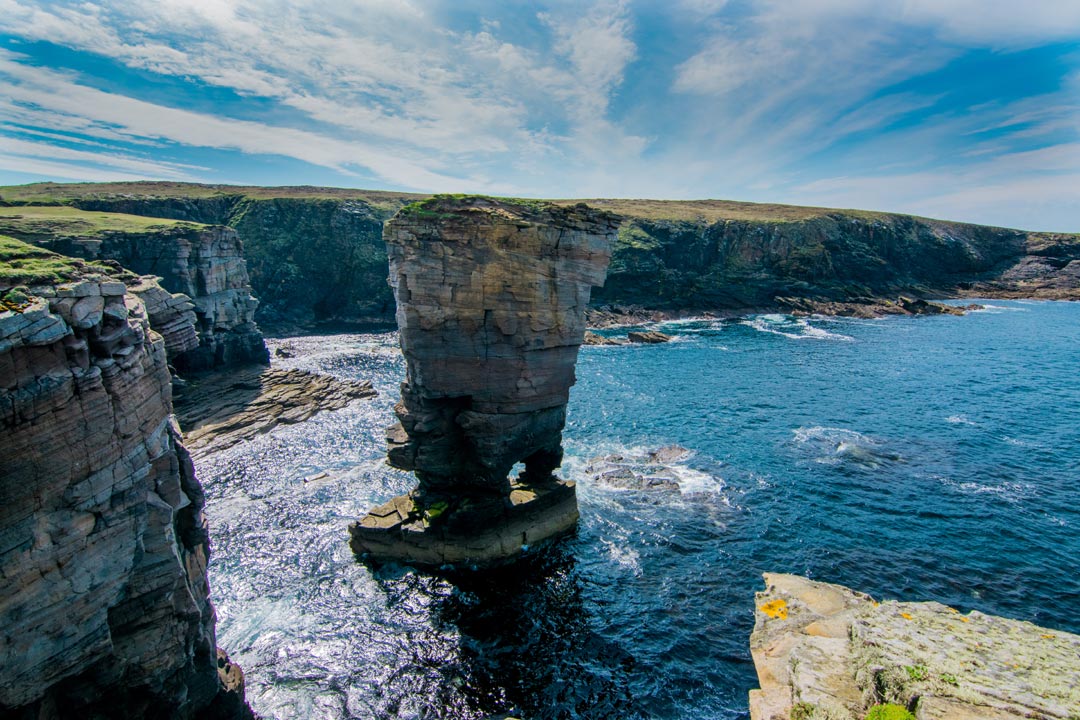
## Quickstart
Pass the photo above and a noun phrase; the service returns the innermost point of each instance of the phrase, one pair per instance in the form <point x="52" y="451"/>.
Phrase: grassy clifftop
<point x="317" y="253"/>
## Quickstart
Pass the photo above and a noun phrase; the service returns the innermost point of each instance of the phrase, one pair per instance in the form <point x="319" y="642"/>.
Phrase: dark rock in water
<point x="669" y="454"/>
<point x="869" y="307"/>
<point x="592" y="338"/>
<point x="491" y="299"/>
<point x="650" y="471"/>
<point x="649" y="337"/>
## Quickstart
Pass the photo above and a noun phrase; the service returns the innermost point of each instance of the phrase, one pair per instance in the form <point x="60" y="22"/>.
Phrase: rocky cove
<point x="974" y="260"/>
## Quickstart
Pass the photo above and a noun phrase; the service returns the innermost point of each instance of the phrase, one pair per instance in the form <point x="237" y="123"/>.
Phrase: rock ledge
<point x="824" y="651"/>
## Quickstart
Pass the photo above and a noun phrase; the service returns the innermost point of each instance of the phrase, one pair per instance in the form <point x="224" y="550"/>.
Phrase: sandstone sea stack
<point x="491" y="297"/>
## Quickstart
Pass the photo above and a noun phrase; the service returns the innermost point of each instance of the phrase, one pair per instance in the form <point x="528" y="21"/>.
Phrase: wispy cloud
<point x="757" y="99"/>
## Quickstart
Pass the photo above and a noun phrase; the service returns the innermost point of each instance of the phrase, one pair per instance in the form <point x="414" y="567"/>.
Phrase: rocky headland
<point x="316" y="254"/>
<point x="104" y="607"/>
<point x="202" y="267"/>
<point x="825" y="652"/>
<point x="491" y="299"/>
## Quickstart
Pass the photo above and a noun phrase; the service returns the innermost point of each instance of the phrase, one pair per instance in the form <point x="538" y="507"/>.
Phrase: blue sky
<point x="960" y="109"/>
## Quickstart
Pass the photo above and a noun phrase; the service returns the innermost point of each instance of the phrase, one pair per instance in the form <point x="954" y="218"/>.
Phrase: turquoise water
<point x="928" y="458"/>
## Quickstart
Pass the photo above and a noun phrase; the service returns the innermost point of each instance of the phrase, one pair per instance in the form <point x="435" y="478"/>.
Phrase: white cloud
<point x="123" y="116"/>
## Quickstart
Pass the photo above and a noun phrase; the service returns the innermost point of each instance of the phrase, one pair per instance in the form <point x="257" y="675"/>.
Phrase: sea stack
<point x="491" y="297"/>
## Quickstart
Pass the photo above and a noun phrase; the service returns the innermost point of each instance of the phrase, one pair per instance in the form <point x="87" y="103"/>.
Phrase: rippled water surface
<point x="927" y="458"/>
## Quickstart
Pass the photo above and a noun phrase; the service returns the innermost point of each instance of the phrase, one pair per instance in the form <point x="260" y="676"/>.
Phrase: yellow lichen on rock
<point x="775" y="609"/>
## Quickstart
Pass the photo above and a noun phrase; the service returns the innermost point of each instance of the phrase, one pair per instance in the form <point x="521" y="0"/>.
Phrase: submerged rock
<point x="491" y="296"/>
<point x="649" y="471"/>
<point x="825" y="651"/>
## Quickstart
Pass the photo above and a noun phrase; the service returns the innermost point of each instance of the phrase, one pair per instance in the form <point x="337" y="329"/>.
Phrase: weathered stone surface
<point x="491" y="296"/>
<point x="220" y="410"/>
<point x="838" y="652"/>
<point x="203" y="267"/>
<point x="466" y="530"/>
<point x="104" y="604"/>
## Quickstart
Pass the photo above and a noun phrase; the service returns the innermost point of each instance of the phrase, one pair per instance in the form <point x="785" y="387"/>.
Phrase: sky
<point x="958" y="109"/>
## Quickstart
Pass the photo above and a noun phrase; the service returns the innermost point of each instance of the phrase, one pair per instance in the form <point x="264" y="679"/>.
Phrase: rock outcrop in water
<point x="826" y="652"/>
<point x="104" y="605"/>
<point x="491" y="298"/>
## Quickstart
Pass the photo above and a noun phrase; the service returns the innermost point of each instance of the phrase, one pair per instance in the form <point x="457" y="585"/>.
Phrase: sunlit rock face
<point x="104" y="604"/>
<point x="491" y="296"/>
<point x="204" y="271"/>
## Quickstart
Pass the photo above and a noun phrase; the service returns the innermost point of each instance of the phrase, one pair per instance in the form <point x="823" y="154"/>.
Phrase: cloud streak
<point x="800" y="100"/>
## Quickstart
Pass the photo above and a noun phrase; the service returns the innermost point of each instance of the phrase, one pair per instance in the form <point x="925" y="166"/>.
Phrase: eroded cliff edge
<point x="204" y="263"/>
<point x="104" y="605"/>
<point x="826" y="652"/>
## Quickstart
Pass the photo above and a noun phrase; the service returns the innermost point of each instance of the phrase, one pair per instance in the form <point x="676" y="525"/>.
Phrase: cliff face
<point x="104" y="606"/>
<point x="491" y="299"/>
<point x="204" y="263"/>
<point x="316" y="253"/>
<point x="840" y="257"/>
<point x="316" y="259"/>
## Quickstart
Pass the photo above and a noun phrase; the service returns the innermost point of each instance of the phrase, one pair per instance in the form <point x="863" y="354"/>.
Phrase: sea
<point x="914" y="458"/>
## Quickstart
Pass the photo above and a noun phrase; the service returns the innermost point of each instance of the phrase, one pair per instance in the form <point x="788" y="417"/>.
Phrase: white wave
<point x="638" y="458"/>
<point x="960" y="420"/>
<point x="837" y="446"/>
<point x="791" y="327"/>
<point x="624" y="556"/>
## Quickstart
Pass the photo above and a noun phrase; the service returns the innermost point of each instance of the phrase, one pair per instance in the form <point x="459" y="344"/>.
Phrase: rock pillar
<point x="491" y="297"/>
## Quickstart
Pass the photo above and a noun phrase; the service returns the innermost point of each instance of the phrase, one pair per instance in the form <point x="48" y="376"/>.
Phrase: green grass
<point x="889" y="712"/>
<point x="50" y="193"/>
<point x="695" y="211"/>
<point x="25" y="264"/>
<point x="64" y="220"/>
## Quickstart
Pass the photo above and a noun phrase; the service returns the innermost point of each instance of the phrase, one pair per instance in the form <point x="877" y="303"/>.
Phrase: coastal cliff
<point x="825" y="652"/>
<point x="709" y="255"/>
<point x="104" y="608"/>
<point x="316" y="254"/>
<point x="203" y="263"/>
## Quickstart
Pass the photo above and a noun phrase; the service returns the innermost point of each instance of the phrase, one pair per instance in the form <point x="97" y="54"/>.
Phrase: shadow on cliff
<point x="526" y="644"/>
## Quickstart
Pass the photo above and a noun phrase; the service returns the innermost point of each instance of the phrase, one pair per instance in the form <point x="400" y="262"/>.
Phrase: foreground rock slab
<point x="222" y="409"/>
<point x="491" y="297"/>
<point x="825" y="651"/>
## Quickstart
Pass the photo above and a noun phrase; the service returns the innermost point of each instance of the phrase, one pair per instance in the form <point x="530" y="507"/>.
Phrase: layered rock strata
<point x="205" y="264"/>
<point x="222" y="409"/>
<point x="825" y="651"/>
<point x="491" y="297"/>
<point x="104" y="604"/>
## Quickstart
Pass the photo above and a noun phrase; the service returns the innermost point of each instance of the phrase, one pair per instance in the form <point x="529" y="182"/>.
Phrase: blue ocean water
<point x="933" y="458"/>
